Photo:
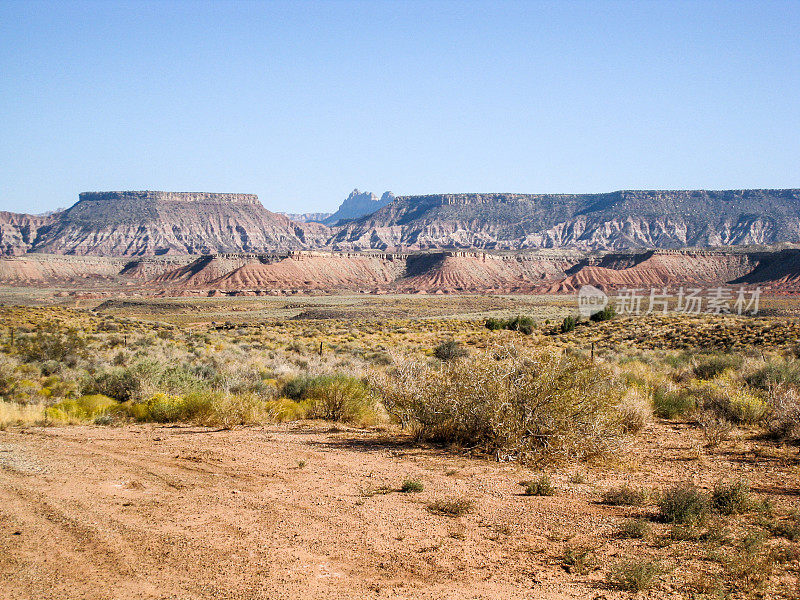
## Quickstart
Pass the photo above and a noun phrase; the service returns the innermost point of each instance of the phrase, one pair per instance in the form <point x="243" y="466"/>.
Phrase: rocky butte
<point x="133" y="223"/>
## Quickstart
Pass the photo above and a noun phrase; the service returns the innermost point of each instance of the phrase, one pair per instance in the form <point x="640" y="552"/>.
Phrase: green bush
<point x="635" y="529"/>
<point x="412" y="486"/>
<point x="52" y="344"/>
<point x="450" y="350"/>
<point x="121" y="384"/>
<point x="493" y="324"/>
<point x="774" y="373"/>
<point x="604" y="315"/>
<point x="520" y="323"/>
<point x="338" y="398"/>
<point x="711" y="366"/>
<point x="670" y="403"/>
<point x="568" y="324"/>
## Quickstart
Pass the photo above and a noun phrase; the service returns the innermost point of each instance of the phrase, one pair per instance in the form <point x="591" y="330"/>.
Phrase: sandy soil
<point x="177" y="512"/>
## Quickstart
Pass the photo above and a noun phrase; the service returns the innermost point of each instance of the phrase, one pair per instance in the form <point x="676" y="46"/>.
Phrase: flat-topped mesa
<point x="138" y="223"/>
<point x="156" y="196"/>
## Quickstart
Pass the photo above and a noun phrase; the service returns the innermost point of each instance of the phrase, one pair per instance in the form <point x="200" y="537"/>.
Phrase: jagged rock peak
<point x="359" y="204"/>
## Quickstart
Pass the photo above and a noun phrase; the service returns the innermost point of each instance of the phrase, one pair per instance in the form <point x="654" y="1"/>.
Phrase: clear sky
<point x="300" y="102"/>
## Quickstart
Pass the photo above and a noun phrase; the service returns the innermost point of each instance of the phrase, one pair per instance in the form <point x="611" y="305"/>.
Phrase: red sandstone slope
<point x="451" y="271"/>
<point x="314" y="271"/>
<point x="471" y="272"/>
<point x="663" y="269"/>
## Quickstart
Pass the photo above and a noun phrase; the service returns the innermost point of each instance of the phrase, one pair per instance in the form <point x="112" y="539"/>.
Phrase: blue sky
<point x="301" y="102"/>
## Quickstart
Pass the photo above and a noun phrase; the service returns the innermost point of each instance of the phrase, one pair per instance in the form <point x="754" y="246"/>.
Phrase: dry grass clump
<point x="635" y="575"/>
<point x="509" y="402"/>
<point x="635" y="529"/>
<point x="451" y="507"/>
<point x="625" y="496"/>
<point x="13" y="414"/>
<point x="684" y="504"/>
<point x="731" y="498"/>
<point x="539" y="487"/>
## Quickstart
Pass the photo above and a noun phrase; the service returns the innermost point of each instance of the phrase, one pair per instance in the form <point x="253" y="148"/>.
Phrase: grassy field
<point x="684" y="429"/>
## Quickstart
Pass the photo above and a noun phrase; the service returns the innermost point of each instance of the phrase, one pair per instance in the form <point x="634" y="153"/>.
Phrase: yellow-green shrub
<point x="80" y="409"/>
<point x="285" y="409"/>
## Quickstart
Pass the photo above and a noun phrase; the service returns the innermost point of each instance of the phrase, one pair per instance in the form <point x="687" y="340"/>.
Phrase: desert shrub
<point x="539" y="487"/>
<point x="338" y="398"/>
<point x="635" y="575"/>
<point x="520" y="323"/>
<point x="729" y="400"/>
<point x="51" y="367"/>
<point x="507" y="401"/>
<point x="568" y="324"/>
<point x="669" y="402"/>
<point x="788" y="528"/>
<point x="285" y="409"/>
<point x="716" y="429"/>
<point x="625" y="496"/>
<point x="450" y="350"/>
<point x="493" y="324"/>
<point x="783" y="418"/>
<point x="297" y="387"/>
<point x="684" y="504"/>
<point x="578" y="559"/>
<point x="412" y="486"/>
<point x="713" y="365"/>
<point x="775" y="373"/>
<point x="451" y="507"/>
<point x="121" y="384"/>
<point x="634" y="529"/>
<point x="52" y="344"/>
<point x="731" y="498"/>
<point x="85" y="408"/>
<point x="634" y="411"/>
<point x="604" y="315"/>
<point x="749" y="566"/>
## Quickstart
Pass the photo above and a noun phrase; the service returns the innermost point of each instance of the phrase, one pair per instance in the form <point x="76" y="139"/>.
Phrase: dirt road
<point x="280" y="512"/>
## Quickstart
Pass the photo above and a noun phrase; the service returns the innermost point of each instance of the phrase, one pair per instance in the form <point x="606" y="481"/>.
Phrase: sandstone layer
<point x="449" y="271"/>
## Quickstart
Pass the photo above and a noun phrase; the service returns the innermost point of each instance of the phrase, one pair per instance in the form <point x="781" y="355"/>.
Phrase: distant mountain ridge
<point x="142" y="223"/>
<point x="611" y="221"/>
